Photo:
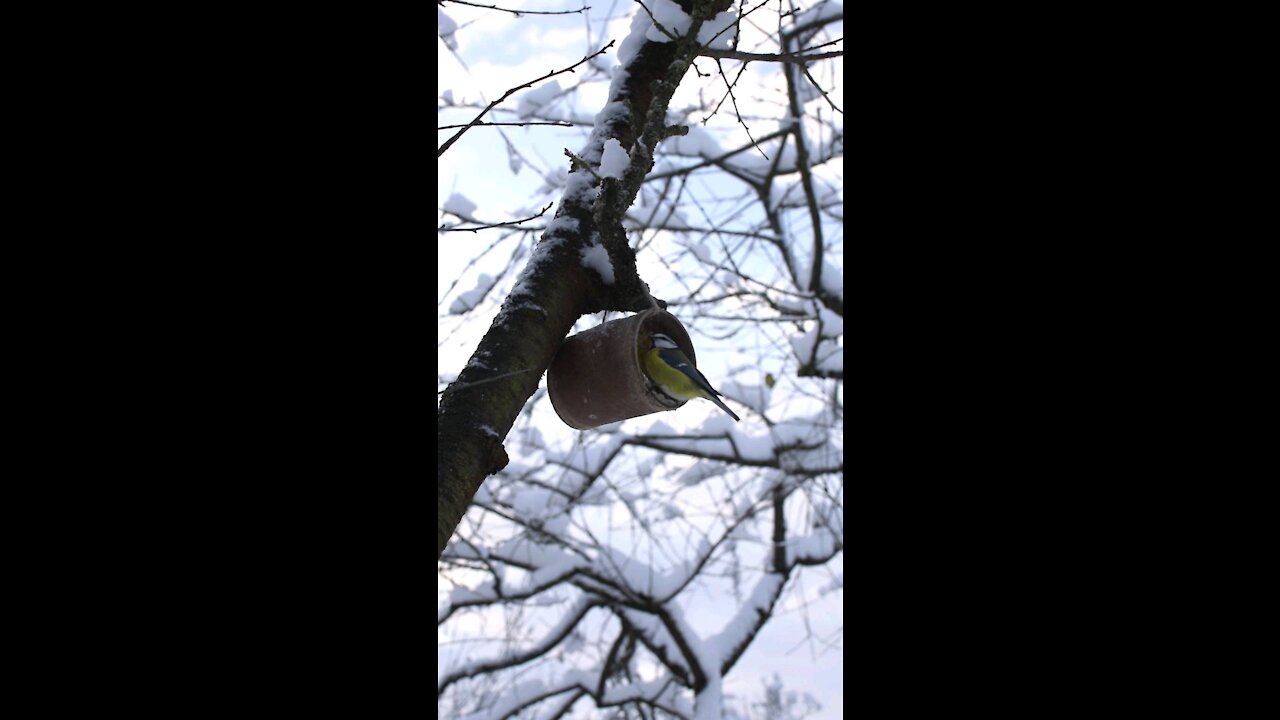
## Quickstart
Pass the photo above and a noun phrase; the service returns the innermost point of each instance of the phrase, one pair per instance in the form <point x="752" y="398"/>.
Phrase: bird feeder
<point x="596" y="377"/>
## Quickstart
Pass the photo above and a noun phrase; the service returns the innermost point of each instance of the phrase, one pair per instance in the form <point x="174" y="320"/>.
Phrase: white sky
<point x="501" y="51"/>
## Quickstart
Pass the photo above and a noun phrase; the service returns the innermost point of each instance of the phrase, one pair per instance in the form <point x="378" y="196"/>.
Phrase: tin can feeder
<point x="596" y="378"/>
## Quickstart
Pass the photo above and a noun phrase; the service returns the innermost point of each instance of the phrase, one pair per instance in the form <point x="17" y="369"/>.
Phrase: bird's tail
<point x="723" y="407"/>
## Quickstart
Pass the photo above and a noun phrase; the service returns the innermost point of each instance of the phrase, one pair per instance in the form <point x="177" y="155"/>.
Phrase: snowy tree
<point x="625" y="570"/>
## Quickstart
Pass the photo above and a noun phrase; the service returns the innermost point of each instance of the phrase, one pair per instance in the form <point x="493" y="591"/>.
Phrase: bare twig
<point x="815" y="47"/>
<point x="661" y="28"/>
<point x="822" y="90"/>
<point x="811" y="26"/>
<point x="716" y="161"/>
<point x="737" y="28"/>
<point x="766" y="57"/>
<point x="518" y="13"/>
<point x="734" y="98"/>
<point x="449" y="143"/>
<point x="519" y="124"/>
<point x="502" y="224"/>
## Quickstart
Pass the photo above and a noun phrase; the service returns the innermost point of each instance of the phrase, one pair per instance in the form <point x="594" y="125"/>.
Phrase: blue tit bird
<point x="675" y="375"/>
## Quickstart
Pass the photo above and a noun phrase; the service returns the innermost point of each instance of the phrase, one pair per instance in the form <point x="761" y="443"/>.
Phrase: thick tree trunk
<point x="478" y="409"/>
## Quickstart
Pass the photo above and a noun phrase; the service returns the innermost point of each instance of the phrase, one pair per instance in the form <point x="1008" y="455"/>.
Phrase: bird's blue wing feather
<point x="679" y="362"/>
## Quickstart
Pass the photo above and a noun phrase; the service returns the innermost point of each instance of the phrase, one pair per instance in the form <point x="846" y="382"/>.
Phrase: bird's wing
<point x="679" y="362"/>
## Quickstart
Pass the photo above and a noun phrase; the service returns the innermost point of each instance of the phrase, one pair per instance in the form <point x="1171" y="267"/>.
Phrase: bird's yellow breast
<point x="673" y="382"/>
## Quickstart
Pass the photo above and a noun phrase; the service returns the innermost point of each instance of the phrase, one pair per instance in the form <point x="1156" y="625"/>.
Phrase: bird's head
<point x="663" y="342"/>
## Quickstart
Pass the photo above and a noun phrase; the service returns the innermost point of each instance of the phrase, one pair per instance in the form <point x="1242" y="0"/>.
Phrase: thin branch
<point x="822" y="90"/>
<point x="653" y="442"/>
<point x="737" y="27"/>
<point x="575" y="122"/>
<point x="765" y="57"/>
<point x="449" y="143"/>
<point x="715" y="161"/>
<point x="518" y="13"/>
<point x="661" y="28"/>
<point x="811" y="371"/>
<point x="733" y="97"/>
<point x="811" y="26"/>
<point x="519" y="124"/>
<point x="815" y="47"/>
<point x="512" y="659"/>
<point x="502" y="224"/>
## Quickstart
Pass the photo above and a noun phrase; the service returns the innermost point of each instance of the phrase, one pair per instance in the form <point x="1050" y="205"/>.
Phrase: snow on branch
<point x="552" y="638"/>
<point x="531" y="692"/>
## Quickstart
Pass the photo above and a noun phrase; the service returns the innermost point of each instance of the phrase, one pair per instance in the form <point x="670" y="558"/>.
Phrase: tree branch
<point x="765" y="57"/>
<point x="449" y="143"/>
<point x="444" y="229"/>
<point x="493" y="124"/>
<point x="555" y="288"/>
<point x="518" y="13"/>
